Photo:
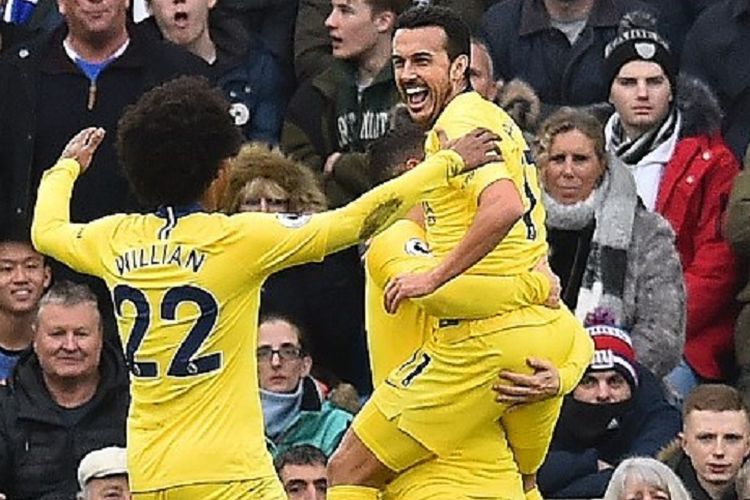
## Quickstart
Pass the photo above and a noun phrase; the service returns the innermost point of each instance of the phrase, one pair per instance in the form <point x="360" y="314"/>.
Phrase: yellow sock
<point x="349" y="492"/>
<point x="533" y="494"/>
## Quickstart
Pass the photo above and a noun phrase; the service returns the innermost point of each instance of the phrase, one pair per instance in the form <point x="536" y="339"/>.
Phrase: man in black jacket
<point x="65" y="399"/>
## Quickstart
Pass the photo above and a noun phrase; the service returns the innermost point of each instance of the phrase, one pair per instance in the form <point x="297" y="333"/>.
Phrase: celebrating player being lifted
<point x="185" y="282"/>
<point x="489" y="222"/>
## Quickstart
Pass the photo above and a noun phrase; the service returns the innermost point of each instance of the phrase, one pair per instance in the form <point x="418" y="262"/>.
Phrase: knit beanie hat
<point x="613" y="350"/>
<point x="638" y="40"/>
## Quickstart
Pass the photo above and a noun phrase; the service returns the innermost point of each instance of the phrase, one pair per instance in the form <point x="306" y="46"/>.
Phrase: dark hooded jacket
<point x="676" y="459"/>
<point x="571" y="470"/>
<point x="41" y="443"/>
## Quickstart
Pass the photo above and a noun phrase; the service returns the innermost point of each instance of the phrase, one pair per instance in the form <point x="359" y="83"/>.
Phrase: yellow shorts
<point x="443" y="394"/>
<point x="256" y="489"/>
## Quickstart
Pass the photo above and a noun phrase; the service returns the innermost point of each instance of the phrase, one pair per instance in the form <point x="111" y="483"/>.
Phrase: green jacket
<point x="326" y="115"/>
<point x="319" y="423"/>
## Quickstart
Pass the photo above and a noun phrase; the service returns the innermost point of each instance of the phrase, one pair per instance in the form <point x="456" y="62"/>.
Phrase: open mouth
<point x="416" y="96"/>
<point x="181" y="19"/>
<point x="21" y="294"/>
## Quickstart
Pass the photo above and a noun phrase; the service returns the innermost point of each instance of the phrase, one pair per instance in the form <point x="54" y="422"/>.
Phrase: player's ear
<point x="459" y="68"/>
<point x="411" y="163"/>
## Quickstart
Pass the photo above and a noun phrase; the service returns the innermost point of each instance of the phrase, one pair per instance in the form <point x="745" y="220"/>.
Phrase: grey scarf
<point x="612" y="204"/>
<point x="280" y="410"/>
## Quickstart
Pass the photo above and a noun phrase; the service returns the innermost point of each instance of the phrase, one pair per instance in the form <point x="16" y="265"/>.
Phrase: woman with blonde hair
<point x="643" y="478"/>
<point x="324" y="298"/>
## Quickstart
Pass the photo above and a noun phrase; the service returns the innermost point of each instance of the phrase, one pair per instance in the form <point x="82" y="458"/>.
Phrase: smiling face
<point x="717" y="442"/>
<point x="23" y="277"/>
<point x="426" y="78"/>
<point x="68" y="340"/>
<point x="571" y="168"/>
<point x="182" y="22"/>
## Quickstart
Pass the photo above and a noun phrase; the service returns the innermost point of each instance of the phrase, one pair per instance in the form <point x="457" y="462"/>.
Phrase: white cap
<point x="105" y="462"/>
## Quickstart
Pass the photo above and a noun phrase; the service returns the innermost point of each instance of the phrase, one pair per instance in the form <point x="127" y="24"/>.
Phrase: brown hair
<point x="564" y="120"/>
<point x="256" y="161"/>
<point x="714" y="397"/>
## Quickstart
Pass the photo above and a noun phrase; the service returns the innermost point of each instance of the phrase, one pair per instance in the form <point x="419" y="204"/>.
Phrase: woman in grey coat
<point x="616" y="260"/>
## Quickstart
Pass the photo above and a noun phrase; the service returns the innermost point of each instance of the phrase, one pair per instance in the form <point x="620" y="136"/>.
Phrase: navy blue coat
<point x="651" y="423"/>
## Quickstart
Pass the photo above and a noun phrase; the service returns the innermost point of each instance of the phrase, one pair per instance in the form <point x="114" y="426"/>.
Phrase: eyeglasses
<point x="285" y="352"/>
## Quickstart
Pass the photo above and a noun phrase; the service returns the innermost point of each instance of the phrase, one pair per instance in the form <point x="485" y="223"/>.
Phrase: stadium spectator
<point x="24" y="275"/>
<point x="742" y="482"/>
<point x="294" y="409"/>
<point x="713" y="444"/>
<point x="324" y="299"/>
<point x="103" y="475"/>
<point x="68" y="397"/>
<point x="83" y="73"/>
<point x="647" y="479"/>
<point x="666" y="132"/>
<point x="312" y="46"/>
<point x="738" y="234"/>
<point x="302" y="470"/>
<point x="610" y="253"/>
<point x="331" y="118"/>
<point x="245" y="70"/>
<point x="617" y="410"/>
<point x="715" y="50"/>
<point x="556" y="46"/>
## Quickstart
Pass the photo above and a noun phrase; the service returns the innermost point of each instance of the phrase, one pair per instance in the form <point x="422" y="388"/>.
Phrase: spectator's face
<point x="641" y="94"/>
<point x="68" y="341"/>
<point x="571" y="170"/>
<point x="636" y="489"/>
<point x="263" y="195"/>
<point x="304" y="482"/>
<point x="183" y="22"/>
<point x="23" y="278"/>
<point x="426" y="79"/>
<point x="108" y="488"/>
<point x="95" y="21"/>
<point x="353" y="28"/>
<point x="282" y="369"/>
<point x="603" y="387"/>
<point x="480" y="72"/>
<point x="717" y="442"/>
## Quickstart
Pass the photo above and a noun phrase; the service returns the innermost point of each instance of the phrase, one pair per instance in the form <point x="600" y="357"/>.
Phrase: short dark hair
<point x="457" y="33"/>
<point x="172" y="141"/>
<point x="714" y="397"/>
<point x="404" y="140"/>
<point x="395" y="6"/>
<point x="303" y="454"/>
<point x="304" y="342"/>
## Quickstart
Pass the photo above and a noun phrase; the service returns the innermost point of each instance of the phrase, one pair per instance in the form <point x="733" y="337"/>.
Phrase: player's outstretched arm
<point x="381" y="206"/>
<point x="51" y="231"/>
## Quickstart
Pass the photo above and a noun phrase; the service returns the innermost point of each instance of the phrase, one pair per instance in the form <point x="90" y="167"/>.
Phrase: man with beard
<point x="618" y="410"/>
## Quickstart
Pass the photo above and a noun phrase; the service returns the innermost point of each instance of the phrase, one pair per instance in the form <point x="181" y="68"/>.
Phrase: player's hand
<point x="553" y="299"/>
<point x="330" y="164"/>
<point x="476" y="148"/>
<point x="406" y="286"/>
<point x="518" y="388"/>
<point x="82" y="146"/>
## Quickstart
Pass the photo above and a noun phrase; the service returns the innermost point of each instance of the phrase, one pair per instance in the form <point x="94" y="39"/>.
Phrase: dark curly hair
<point x="456" y="31"/>
<point x="172" y="141"/>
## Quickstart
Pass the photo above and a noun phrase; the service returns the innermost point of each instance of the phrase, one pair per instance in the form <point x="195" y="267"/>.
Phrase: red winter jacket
<point x="693" y="195"/>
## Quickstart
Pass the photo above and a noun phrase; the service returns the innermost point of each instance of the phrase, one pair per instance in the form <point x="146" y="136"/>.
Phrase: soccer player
<point x="185" y="282"/>
<point x="489" y="222"/>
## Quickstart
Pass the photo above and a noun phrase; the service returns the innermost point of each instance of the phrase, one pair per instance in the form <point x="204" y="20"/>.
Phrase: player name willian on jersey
<point x="160" y="255"/>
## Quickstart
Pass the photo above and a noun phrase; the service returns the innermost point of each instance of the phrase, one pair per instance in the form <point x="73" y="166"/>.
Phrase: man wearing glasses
<point x="294" y="410"/>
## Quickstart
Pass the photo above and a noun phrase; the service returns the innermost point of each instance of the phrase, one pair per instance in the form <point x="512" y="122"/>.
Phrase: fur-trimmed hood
<point x="699" y="106"/>
<point x="671" y="453"/>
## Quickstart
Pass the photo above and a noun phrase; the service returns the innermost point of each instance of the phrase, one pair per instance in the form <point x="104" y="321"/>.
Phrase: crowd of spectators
<point x="638" y="116"/>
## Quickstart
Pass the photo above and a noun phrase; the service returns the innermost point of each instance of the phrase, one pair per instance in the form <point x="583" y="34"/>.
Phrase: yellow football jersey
<point x="449" y="212"/>
<point x="185" y="287"/>
<point x="401" y="248"/>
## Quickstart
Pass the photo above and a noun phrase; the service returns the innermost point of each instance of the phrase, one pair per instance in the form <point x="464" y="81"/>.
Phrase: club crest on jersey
<point x="293" y="221"/>
<point x="417" y="247"/>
